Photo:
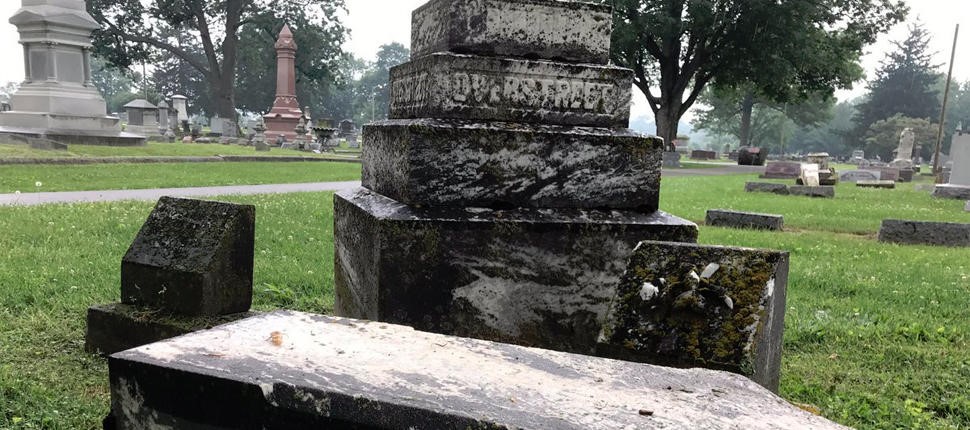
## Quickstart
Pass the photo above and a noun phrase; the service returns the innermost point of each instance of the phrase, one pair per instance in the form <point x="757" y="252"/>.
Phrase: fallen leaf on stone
<point x="276" y="338"/>
<point x="812" y="409"/>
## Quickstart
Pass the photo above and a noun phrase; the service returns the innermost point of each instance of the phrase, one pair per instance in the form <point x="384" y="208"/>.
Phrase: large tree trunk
<point x="668" y="118"/>
<point x="223" y="96"/>
<point x="747" y="108"/>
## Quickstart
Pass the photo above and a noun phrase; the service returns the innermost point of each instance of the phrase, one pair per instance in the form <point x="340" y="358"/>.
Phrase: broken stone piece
<point x="730" y="317"/>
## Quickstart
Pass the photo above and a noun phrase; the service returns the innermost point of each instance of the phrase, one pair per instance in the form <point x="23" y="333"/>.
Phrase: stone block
<point x="116" y="327"/>
<point x="859" y="175"/>
<point x="782" y="170"/>
<point x="290" y="370"/>
<point x="703" y="155"/>
<point x="887" y="173"/>
<point x="960" y="156"/>
<point x="446" y="85"/>
<point x="906" y="175"/>
<point x="876" y="184"/>
<point x="924" y="233"/>
<point x="686" y="305"/>
<point x="535" y="29"/>
<point x="766" y="187"/>
<point x="537" y="277"/>
<point x="192" y="257"/>
<point x="804" y="190"/>
<point x="947" y="191"/>
<point x="810" y="175"/>
<point x="671" y="159"/>
<point x="736" y="219"/>
<point x="453" y="163"/>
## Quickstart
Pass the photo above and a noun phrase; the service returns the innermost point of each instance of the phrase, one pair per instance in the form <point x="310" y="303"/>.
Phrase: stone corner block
<point x="824" y="191"/>
<point x="687" y="305"/>
<point x="192" y="257"/>
<point x="924" y="233"/>
<point x="737" y="219"/>
<point x="535" y="29"/>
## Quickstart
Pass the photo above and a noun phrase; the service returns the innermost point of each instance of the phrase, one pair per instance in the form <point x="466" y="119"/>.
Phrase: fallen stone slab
<point x="924" y="233"/>
<point x="290" y="370"/>
<point x="687" y="305"/>
<point x="456" y="163"/>
<point x="876" y="184"/>
<point x="766" y="187"/>
<point x="736" y="219"/>
<point x="116" y="327"/>
<point x="947" y="191"/>
<point x="859" y="175"/>
<point x="537" y="29"/>
<point x="192" y="257"/>
<point x="452" y="86"/>
<point x="804" y="190"/>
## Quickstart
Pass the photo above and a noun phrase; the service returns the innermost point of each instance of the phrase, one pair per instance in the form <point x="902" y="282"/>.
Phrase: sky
<point x="376" y="22"/>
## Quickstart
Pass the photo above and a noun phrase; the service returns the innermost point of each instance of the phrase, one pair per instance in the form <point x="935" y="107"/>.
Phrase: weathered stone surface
<point x="538" y="277"/>
<point x="671" y="159"/>
<point x="906" y="175"/>
<point x="687" y="305"/>
<point x="947" y="191"/>
<point x="925" y="233"/>
<point x="535" y="29"/>
<point x="752" y="156"/>
<point x="876" y="184"/>
<point x="454" y="163"/>
<point x="736" y="219"/>
<point x="192" y="257"/>
<point x="290" y="370"/>
<point x="960" y="157"/>
<point x="810" y="175"/>
<point x="859" y="175"/>
<point x="886" y="173"/>
<point x="703" y="155"/>
<point x="782" y="170"/>
<point x="446" y="85"/>
<point x="820" y="191"/>
<point x="766" y="187"/>
<point x="117" y="326"/>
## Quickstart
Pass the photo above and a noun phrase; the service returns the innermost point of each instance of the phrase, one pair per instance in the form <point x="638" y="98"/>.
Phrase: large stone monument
<point x="505" y="195"/>
<point x="285" y="114"/>
<point x="958" y="186"/>
<point x="57" y="100"/>
<point x="904" y="153"/>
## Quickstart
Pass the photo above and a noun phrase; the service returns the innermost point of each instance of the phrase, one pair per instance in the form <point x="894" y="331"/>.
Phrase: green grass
<point x="152" y="149"/>
<point x="24" y="178"/>
<point x="876" y="334"/>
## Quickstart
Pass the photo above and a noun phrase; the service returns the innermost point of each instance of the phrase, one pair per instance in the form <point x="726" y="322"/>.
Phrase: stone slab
<point x="809" y="175"/>
<point x="703" y="155"/>
<point x="960" y="156"/>
<point x="924" y="233"/>
<point x="736" y="219"/>
<point x="859" y="175"/>
<point x="766" y="187"/>
<point x="116" y="327"/>
<point x="446" y="85"/>
<point x="782" y="170"/>
<point x="751" y="156"/>
<point x="192" y="257"/>
<point x="671" y="159"/>
<point x="535" y="277"/>
<point x="454" y="163"/>
<point x="290" y="370"/>
<point x="688" y="305"/>
<point x="886" y="173"/>
<point x="876" y="184"/>
<point x="947" y="191"/>
<point x="535" y="29"/>
<point x="804" y="190"/>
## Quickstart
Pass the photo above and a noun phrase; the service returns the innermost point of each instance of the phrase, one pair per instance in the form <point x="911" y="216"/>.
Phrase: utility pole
<point x="946" y="95"/>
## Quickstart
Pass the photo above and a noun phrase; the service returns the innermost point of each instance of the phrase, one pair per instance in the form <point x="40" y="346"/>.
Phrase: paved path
<point x="29" y="199"/>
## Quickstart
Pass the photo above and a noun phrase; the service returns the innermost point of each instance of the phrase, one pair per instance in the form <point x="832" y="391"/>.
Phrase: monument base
<point x="66" y="129"/>
<point x="948" y="191"/>
<point x="534" y="277"/>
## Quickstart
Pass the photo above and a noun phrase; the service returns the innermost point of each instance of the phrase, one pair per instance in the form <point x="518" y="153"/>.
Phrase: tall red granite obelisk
<point x="286" y="113"/>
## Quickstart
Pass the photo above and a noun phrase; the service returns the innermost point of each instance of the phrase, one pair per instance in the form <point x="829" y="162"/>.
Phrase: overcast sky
<point x="376" y="22"/>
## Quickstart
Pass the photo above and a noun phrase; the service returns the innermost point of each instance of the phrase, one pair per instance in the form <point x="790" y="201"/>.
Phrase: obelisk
<point x="57" y="99"/>
<point x="286" y="113"/>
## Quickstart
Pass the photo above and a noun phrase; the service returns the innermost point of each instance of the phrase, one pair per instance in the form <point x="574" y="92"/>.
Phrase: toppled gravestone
<point x="924" y="233"/>
<point x="504" y="195"/>
<point x="290" y="370"/>
<point x="687" y="305"/>
<point x="737" y="219"/>
<point x="766" y="187"/>
<point x="876" y="184"/>
<point x="190" y="267"/>
<point x="824" y="191"/>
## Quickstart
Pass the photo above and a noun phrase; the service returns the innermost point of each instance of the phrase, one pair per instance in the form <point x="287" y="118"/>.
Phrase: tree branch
<point x="178" y="52"/>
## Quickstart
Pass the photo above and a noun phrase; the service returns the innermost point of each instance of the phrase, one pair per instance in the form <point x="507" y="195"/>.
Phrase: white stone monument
<point x="959" y="185"/>
<point x="57" y="100"/>
<point x="904" y="153"/>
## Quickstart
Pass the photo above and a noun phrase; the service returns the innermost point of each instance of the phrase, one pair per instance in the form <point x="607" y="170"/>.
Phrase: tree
<point x="905" y="84"/>
<point x="677" y="47"/>
<point x="111" y="81"/>
<point x="830" y="136"/>
<point x="374" y="84"/>
<point x="882" y="138"/>
<point x="134" y="30"/>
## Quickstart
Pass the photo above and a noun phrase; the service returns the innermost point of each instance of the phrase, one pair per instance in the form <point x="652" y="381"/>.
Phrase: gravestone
<point x="967" y="208"/>
<point x="925" y="233"/>
<point x="752" y="156"/>
<point x="736" y="219"/>
<point x="809" y="191"/>
<point x="190" y="267"/>
<point x="958" y="183"/>
<point x="142" y="117"/>
<point x="290" y="370"/>
<point x="859" y="175"/>
<point x="671" y="159"/>
<point x="876" y="184"/>
<point x="782" y="170"/>
<point x="686" y="305"/>
<point x="259" y="139"/>
<point x="766" y="187"/>
<point x="809" y="175"/>
<point x="285" y="113"/>
<point x="886" y="173"/>
<point x="703" y="155"/>
<point x="904" y="153"/>
<point x="504" y="196"/>
<point x="163" y="117"/>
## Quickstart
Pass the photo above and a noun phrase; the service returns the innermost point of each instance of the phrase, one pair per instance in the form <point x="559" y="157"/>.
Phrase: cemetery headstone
<point x="809" y="191"/>
<point x="782" y="170"/>
<point x="904" y="153"/>
<point x="737" y="219"/>
<point x="142" y="117"/>
<point x="925" y="233"/>
<point x="259" y="139"/>
<point x="671" y="159"/>
<point x="809" y="175"/>
<point x="285" y="113"/>
<point x="876" y="184"/>
<point x="859" y="175"/>
<point x="886" y="173"/>
<point x="181" y="106"/>
<point x="189" y="267"/>
<point x="752" y="156"/>
<point x="967" y="208"/>
<point x="766" y="187"/>
<point x="703" y="155"/>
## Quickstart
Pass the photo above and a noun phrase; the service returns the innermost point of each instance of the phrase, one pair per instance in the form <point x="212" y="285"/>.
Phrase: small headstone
<point x="820" y="191"/>
<point x="886" y="173"/>
<point x="686" y="305"/>
<point x="752" y="156"/>
<point x="766" y="187"/>
<point x="809" y="175"/>
<point x="751" y="220"/>
<point x="947" y="191"/>
<point x="859" y="175"/>
<point x="671" y="159"/>
<point x="703" y="155"/>
<point x="187" y="139"/>
<point x="876" y="184"/>
<point x="782" y="170"/>
<point x="192" y="257"/>
<point x="925" y="233"/>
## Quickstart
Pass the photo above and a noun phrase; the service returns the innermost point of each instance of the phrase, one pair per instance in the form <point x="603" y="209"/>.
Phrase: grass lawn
<point x="24" y="178"/>
<point x="876" y="334"/>
<point x="150" y="150"/>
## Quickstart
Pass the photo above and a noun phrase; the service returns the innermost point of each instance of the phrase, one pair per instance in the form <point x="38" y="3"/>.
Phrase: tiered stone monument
<point x="285" y="114"/>
<point x="57" y="100"/>
<point x="505" y="195"/>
